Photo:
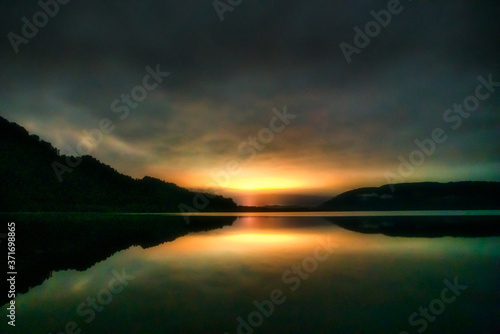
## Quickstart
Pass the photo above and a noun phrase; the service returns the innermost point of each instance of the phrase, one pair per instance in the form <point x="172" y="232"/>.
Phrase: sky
<point x="269" y="102"/>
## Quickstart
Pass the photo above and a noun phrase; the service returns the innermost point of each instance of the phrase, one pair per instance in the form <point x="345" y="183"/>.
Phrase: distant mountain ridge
<point x="466" y="195"/>
<point x="29" y="183"/>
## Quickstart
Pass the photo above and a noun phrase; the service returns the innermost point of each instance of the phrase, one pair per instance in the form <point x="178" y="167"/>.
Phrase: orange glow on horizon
<point x="270" y="185"/>
<point x="265" y="184"/>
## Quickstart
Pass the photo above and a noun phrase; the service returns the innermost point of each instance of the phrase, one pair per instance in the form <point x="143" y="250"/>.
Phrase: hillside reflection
<point x="49" y="242"/>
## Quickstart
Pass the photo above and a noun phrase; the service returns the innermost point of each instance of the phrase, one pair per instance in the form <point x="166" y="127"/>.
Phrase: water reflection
<point x="48" y="242"/>
<point x="205" y="281"/>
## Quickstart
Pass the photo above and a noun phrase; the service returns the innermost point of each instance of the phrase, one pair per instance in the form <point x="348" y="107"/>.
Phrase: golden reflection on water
<point x="234" y="243"/>
<point x="216" y="275"/>
<point x="273" y="237"/>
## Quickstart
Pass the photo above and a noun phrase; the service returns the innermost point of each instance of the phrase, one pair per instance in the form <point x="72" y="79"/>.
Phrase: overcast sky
<point x="353" y="120"/>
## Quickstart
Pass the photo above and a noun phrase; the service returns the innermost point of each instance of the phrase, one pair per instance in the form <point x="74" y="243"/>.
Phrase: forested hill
<point x="29" y="182"/>
<point x="419" y="196"/>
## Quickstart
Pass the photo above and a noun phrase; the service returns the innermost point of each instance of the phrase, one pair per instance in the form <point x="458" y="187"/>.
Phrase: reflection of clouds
<point x="81" y="284"/>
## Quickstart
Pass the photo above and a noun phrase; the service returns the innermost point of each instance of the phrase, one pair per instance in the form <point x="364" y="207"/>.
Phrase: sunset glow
<point x="250" y="117"/>
<point x="266" y="184"/>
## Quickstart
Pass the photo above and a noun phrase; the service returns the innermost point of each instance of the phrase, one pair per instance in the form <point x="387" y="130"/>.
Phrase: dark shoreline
<point x="47" y="242"/>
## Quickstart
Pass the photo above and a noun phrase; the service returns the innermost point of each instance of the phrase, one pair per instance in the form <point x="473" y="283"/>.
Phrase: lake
<point x="276" y="273"/>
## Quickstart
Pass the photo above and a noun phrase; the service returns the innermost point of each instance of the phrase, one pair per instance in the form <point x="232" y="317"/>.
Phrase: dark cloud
<point x="353" y="120"/>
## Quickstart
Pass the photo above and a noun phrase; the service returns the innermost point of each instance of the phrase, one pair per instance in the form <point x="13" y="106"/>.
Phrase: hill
<point x="419" y="196"/>
<point x="28" y="182"/>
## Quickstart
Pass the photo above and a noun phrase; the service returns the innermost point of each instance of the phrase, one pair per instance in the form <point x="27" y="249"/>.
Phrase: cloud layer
<point x="352" y="121"/>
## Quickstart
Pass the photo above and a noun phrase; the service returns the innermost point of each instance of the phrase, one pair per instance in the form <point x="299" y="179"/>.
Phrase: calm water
<point x="271" y="274"/>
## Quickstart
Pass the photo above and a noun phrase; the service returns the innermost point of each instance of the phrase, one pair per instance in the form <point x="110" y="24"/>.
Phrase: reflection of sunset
<point x="253" y="235"/>
<point x="261" y="238"/>
<point x="226" y="242"/>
